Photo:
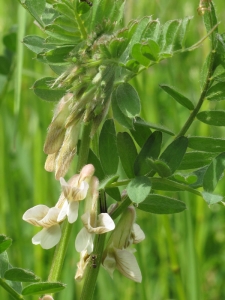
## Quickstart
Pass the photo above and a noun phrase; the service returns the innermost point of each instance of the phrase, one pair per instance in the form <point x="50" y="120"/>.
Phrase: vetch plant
<point x="97" y="119"/>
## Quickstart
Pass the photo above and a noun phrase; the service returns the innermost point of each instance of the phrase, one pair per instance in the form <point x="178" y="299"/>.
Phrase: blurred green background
<point x="183" y="255"/>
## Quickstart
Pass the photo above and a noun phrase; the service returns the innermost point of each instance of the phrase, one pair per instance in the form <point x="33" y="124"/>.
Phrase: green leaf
<point x="174" y="153"/>
<point x="160" y="167"/>
<point x="177" y="96"/>
<point x="151" y="50"/>
<point x="182" y="32"/>
<point x="118" y="46"/>
<point x="168" y="35"/>
<point x="9" y="40"/>
<point x="158" y="204"/>
<point x="118" y="115"/>
<point x="18" y="274"/>
<point x="93" y="159"/>
<point x="35" y="8"/>
<point x="65" y="10"/>
<point x="190" y="178"/>
<point x="206" y="144"/>
<point x="216" y="92"/>
<point x="154" y="126"/>
<point x="164" y="184"/>
<point x="127" y="152"/>
<point x="212" y="117"/>
<point x="138" y="189"/>
<point x="5" y="242"/>
<point x="214" y="173"/>
<point x="195" y="159"/>
<point x="136" y="53"/>
<point x="4" y="65"/>
<point x="204" y="71"/>
<point x="113" y="193"/>
<point x="59" y="56"/>
<point x="36" y="43"/>
<point x="152" y="30"/>
<point x="128" y="100"/>
<point x="42" y="88"/>
<point x="4" y="263"/>
<point x="151" y="149"/>
<point x="108" y="148"/>
<point x="43" y="288"/>
<point x="140" y="132"/>
<point x="211" y="198"/>
<point x="107" y="181"/>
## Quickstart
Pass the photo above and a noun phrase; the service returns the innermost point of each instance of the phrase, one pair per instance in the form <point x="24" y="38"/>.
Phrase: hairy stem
<point x="10" y="290"/>
<point x="205" y="88"/>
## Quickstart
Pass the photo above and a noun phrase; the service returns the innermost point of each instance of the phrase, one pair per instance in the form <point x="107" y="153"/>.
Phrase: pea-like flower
<point x="93" y="224"/>
<point x="43" y="216"/>
<point x="118" y="254"/>
<point x="72" y="192"/>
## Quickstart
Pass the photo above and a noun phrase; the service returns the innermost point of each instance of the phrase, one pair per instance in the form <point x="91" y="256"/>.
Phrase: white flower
<point x="118" y="254"/>
<point x="85" y="238"/>
<point x="43" y="216"/>
<point x="93" y="224"/>
<point x="74" y="191"/>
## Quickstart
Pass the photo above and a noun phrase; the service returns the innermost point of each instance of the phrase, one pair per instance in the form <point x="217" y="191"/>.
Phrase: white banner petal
<point x="63" y="212"/>
<point x="127" y="264"/>
<point x="35" y="214"/>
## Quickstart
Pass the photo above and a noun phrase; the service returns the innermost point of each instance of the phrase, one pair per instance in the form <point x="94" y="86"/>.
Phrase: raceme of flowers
<point x="118" y="253"/>
<point x="80" y="187"/>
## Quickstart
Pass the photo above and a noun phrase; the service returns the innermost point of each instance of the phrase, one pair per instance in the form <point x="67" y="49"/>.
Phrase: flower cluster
<point x="79" y="187"/>
<point x="118" y="253"/>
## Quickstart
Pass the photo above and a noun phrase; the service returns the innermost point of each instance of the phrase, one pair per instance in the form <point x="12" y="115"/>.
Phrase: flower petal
<point x="109" y="263"/>
<point x="35" y="214"/>
<point x="63" y="212"/>
<point x="47" y="237"/>
<point x="105" y="223"/>
<point x="84" y="241"/>
<point x="51" y="217"/>
<point x="73" y="211"/>
<point x="137" y="234"/>
<point x="127" y="264"/>
<point x="73" y="191"/>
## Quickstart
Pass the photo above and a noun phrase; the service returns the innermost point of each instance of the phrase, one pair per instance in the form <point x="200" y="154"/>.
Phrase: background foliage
<point x="182" y="256"/>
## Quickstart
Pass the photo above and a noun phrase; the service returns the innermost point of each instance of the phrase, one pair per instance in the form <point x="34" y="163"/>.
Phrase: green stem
<point x="10" y="290"/>
<point x="94" y="263"/>
<point x="61" y="248"/>
<point x="206" y="86"/>
<point x="173" y="259"/>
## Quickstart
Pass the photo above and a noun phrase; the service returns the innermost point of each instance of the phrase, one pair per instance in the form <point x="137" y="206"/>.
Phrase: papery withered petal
<point x="73" y="211"/>
<point x="137" y="234"/>
<point x="127" y="264"/>
<point x="84" y="241"/>
<point x="81" y="265"/>
<point x="63" y="211"/>
<point x="54" y="139"/>
<point x="50" y="162"/>
<point x="47" y="237"/>
<point x="67" y="151"/>
<point x="35" y="214"/>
